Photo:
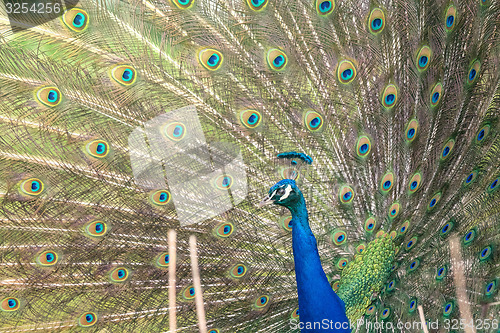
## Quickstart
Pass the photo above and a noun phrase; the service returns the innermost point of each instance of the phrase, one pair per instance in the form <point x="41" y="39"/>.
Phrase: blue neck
<point x="317" y="300"/>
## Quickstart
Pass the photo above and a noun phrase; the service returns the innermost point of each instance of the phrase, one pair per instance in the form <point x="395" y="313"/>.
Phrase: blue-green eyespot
<point x="325" y="7"/>
<point x="276" y="59"/>
<point x="87" y="319"/>
<point x="210" y="59"/>
<point x="9" y="304"/>
<point x="376" y="21"/>
<point x="49" y="96"/>
<point x="76" y="19"/>
<point x="124" y="74"/>
<point x="346" y="71"/>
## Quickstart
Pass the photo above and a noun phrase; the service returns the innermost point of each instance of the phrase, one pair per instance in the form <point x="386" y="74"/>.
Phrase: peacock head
<point x="284" y="193"/>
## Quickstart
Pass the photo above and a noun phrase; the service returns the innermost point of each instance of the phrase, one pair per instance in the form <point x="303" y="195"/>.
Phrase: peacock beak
<point x="266" y="201"/>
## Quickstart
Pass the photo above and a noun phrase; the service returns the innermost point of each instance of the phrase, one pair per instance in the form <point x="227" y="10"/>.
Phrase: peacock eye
<point x="281" y="191"/>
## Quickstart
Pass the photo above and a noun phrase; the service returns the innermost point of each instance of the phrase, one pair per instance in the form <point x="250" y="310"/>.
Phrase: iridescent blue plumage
<point x="317" y="300"/>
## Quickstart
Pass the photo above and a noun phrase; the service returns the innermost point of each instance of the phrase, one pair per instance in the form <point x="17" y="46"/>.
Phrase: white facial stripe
<point x="287" y="192"/>
<point x="272" y="195"/>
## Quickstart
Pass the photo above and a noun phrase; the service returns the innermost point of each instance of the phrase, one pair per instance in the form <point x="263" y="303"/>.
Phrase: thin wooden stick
<point x="422" y="318"/>
<point x="200" y="309"/>
<point x="172" y="294"/>
<point x="457" y="268"/>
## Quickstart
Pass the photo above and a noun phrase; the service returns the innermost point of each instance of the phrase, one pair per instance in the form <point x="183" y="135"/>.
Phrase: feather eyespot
<point x="361" y="248"/>
<point x="325" y="7"/>
<point x="261" y="302"/>
<point x="257" y="5"/>
<point x="289" y="172"/>
<point x="339" y="237"/>
<point x="174" y="131"/>
<point x="434" y="201"/>
<point x="469" y="236"/>
<point x="76" y="19"/>
<point x="363" y="146"/>
<point x="412" y="306"/>
<point x="411" y="243"/>
<point x="119" y="274"/>
<point x="394" y="210"/>
<point x="210" y="59"/>
<point x="376" y="21"/>
<point x="214" y="331"/>
<point x="250" y="118"/>
<point x="450" y="18"/>
<point x="404" y="227"/>
<point x="49" y="96"/>
<point x="385" y="313"/>
<point x="124" y="74"/>
<point x="448" y="309"/>
<point x="494" y="185"/>
<point x="482" y="133"/>
<point x="32" y="187"/>
<point x="163" y="260"/>
<point x="97" y="148"/>
<point x="485" y="253"/>
<point x="415" y="181"/>
<point x="277" y="59"/>
<point x="224" y="230"/>
<point x="445" y="230"/>
<point x="342" y="263"/>
<point x="189" y="293"/>
<point x="47" y="258"/>
<point x="96" y="229"/>
<point x="346" y="71"/>
<point x="441" y="273"/>
<point x="393" y="234"/>
<point x="223" y="182"/>
<point x="10" y="304"/>
<point x="436" y="94"/>
<point x="336" y="285"/>
<point x="346" y="194"/>
<point x="448" y="147"/>
<point x="387" y="182"/>
<point x="490" y="288"/>
<point x="471" y="177"/>
<point x="411" y="130"/>
<point x="413" y="265"/>
<point x="394" y="267"/>
<point x="160" y="197"/>
<point x="370" y="310"/>
<point x="87" y="319"/>
<point x="183" y="4"/>
<point x="390" y="96"/>
<point x="313" y="121"/>
<point x="295" y="314"/>
<point x="286" y="222"/>
<point x="370" y="224"/>
<point x="391" y="286"/>
<point x="473" y="72"/>
<point x="238" y="271"/>
<point x="423" y="58"/>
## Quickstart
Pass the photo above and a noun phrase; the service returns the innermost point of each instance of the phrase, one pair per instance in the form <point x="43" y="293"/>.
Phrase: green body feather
<point x="364" y="277"/>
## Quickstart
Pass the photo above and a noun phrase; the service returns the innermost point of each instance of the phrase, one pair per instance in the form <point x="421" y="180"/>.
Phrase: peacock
<point x="249" y="166"/>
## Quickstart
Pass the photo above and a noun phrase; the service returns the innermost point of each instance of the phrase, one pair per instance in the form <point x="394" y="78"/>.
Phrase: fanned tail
<point x="396" y="101"/>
